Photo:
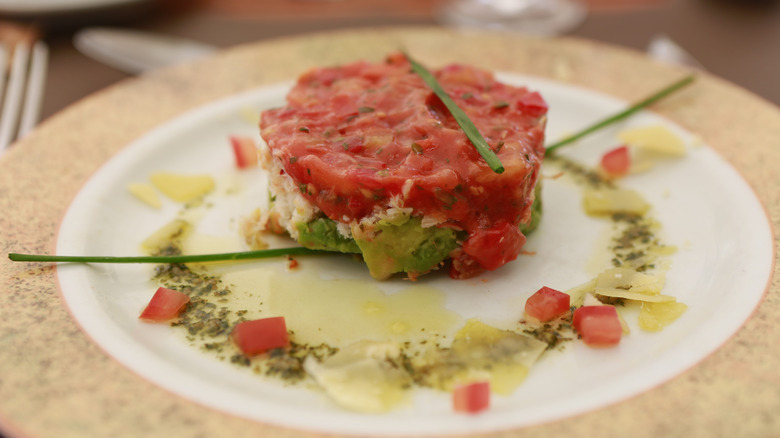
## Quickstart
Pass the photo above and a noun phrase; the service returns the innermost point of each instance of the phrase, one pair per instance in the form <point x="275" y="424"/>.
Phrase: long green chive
<point x="655" y="97"/>
<point x="463" y="120"/>
<point x="199" y="258"/>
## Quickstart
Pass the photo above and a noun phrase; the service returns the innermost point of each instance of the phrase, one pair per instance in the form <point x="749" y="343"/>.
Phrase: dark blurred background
<point x="738" y="40"/>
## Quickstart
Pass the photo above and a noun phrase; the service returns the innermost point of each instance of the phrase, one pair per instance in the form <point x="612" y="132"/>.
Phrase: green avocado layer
<point x="406" y="247"/>
<point x="402" y="245"/>
<point x="536" y="211"/>
<point x="321" y="233"/>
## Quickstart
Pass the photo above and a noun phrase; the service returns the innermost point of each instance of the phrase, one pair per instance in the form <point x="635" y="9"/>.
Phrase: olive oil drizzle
<point x="207" y="318"/>
<point x="635" y="236"/>
<point x="428" y="362"/>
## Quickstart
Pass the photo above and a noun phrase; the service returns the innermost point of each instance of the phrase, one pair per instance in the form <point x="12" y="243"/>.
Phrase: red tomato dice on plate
<point x="616" y="161"/>
<point x="244" y="151"/>
<point x="164" y="305"/>
<point x="599" y="326"/>
<point x="547" y="303"/>
<point x="260" y="335"/>
<point x="472" y="397"/>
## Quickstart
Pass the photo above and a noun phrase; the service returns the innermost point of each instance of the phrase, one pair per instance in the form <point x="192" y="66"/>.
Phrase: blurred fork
<point x="22" y="80"/>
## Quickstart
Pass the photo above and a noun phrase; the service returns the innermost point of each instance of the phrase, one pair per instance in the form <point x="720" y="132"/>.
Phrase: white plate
<point x="706" y="208"/>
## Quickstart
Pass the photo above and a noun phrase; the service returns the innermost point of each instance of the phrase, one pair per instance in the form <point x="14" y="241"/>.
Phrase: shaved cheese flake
<point x="654" y="317"/>
<point x="626" y="278"/>
<point x="579" y="293"/>
<point x="636" y="296"/>
<point x="174" y="230"/>
<point x="507" y="356"/>
<point x="359" y="377"/>
<point x="145" y="193"/>
<point x="182" y="188"/>
<point x="655" y="138"/>
<point x="629" y="284"/>
<point x="624" y="324"/>
<point x="591" y="300"/>
<point x="641" y="162"/>
<point x="600" y="202"/>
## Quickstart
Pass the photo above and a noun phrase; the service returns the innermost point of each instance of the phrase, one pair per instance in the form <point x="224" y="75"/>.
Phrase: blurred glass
<point x="534" y="17"/>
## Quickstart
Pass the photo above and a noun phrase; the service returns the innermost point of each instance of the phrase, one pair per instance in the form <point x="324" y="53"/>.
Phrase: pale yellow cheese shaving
<point x="180" y="187"/>
<point x="629" y="284"/>
<point x="629" y="279"/>
<point x="654" y="138"/>
<point x="578" y="293"/>
<point x="359" y="377"/>
<point x="655" y="316"/>
<point x="174" y="230"/>
<point x="145" y="193"/>
<point x="480" y="352"/>
<point x="599" y="202"/>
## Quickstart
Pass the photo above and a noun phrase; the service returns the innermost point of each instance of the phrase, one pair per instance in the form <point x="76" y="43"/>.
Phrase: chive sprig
<point x="653" y="98"/>
<point x="463" y="120"/>
<point x="197" y="258"/>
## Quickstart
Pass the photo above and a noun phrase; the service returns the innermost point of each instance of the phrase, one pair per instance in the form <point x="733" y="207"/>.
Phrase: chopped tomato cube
<point x="532" y="104"/>
<point x="164" y="305"/>
<point x="471" y="397"/>
<point x="244" y="151"/>
<point x="599" y="326"/>
<point x="260" y="335"/>
<point x="495" y="246"/>
<point x="546" y="304"/>
<point x="616" y="161"/>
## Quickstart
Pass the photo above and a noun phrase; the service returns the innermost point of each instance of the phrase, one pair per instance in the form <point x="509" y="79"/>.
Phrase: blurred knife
<point x="134" y="51"/>
<point x="663" y="48"/>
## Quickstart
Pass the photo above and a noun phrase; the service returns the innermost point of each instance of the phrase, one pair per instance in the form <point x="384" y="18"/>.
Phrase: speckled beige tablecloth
<point x="54" y="382"/>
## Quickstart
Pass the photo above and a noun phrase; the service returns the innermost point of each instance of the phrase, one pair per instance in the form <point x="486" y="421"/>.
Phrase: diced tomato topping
<point x="546" y="304"/>
<point x="353" y="137"/>
<point x="244" y="151"/>
<point x="599" y="326"/>
<point x="260" y="335"/>
<point x="532" y="104"/>
<point x="494" y="247"/>
<point x="616" y="161"/>
<point x="164" y="305"/>
<point x="472" y="397"/>
<point x="440" y="111"/>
